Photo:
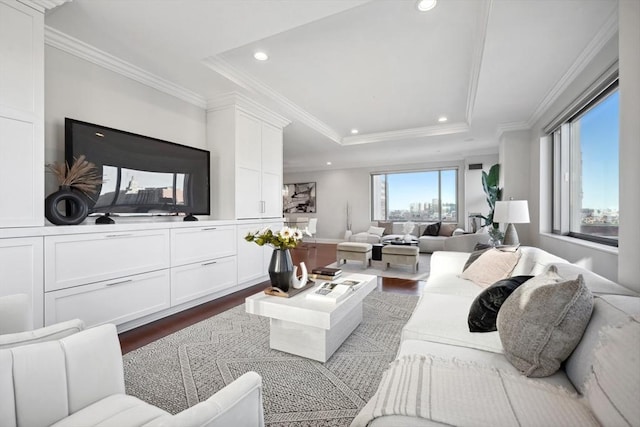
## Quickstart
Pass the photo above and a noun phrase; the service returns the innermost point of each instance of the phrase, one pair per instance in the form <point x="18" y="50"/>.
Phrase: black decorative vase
<point x="75" y="211"/>
<point x="281" y="269"/>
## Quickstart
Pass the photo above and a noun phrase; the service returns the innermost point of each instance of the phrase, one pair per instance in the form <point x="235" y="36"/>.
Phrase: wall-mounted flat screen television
<point x="141" y="175"/>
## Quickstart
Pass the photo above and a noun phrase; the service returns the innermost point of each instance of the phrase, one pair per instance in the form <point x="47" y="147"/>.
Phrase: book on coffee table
<point x="334" y="291"/>
<point x="327" y="271"/>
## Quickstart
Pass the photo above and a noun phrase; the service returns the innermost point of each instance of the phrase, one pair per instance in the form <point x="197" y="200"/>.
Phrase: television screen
<point x="140" y="174"/>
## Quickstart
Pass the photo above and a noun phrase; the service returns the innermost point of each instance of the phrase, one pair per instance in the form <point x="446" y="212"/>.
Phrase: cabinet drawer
<point x="189" y="245"/>
<point x="192" y="281"/>
<point x="115" y="301"/>
<point x="74" y="260"/>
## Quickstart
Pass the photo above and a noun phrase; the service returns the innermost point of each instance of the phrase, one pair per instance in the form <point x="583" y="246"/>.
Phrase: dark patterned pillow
<point x="484" y="309"/>
<point x="432" y="230"/>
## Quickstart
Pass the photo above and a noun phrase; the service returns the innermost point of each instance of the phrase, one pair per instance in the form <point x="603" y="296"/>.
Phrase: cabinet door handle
<point x="209" y="228"/>
<point x="120" y="282"/>
<point x="111" y="236"/>
<point x="209" y="263"/>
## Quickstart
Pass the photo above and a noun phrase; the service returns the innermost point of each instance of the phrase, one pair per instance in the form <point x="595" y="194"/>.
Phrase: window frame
<point x="564" y="145"/>
<point x="439" y="170"/>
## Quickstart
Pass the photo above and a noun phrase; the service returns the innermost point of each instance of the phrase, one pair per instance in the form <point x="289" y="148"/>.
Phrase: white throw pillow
<point x="378" y="231"/>
<point x="491" y="266"/>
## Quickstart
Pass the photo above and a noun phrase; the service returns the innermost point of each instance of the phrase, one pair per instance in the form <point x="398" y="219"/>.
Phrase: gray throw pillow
<point x="542" y="322"/>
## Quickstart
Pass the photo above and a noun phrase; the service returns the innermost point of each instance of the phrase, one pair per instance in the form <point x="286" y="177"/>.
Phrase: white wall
<point x="514" y="172"/>
<point x="78" y="89"/>
<point x="336" y="187"/>
<point x="629" y="250"/>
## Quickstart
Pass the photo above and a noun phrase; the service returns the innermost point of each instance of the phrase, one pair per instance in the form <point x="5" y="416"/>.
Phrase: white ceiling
<point x="379" y="66"/>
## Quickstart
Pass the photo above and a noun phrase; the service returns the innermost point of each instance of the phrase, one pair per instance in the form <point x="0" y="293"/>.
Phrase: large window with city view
<point x="429" y="195"/>
<point x="585" y="165"/>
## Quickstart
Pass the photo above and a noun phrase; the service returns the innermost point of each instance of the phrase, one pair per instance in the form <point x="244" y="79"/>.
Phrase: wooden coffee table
<point x="310" y="328"/>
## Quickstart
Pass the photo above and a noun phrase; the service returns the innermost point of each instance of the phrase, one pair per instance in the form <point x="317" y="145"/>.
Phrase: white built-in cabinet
<point x="111" y="277"/>
<point x="203" y="261"/>
<point x="246" y="142"/>
<point x="134" y="276"/>
<point x="21" y="115"/>
<point x="21" y="268"/>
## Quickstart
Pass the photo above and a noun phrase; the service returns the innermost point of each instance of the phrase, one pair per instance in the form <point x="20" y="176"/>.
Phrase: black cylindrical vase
<point x="76" y="207"/>
<point x="281" y="269"/>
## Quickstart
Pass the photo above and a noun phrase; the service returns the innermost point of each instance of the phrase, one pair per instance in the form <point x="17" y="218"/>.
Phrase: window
<point x="585" y="167"/>
<point x="415" y="196"/>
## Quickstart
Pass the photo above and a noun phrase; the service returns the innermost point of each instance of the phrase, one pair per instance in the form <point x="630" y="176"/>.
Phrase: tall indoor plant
<point x="493" y="194"/>
<point x="281" y="265"/>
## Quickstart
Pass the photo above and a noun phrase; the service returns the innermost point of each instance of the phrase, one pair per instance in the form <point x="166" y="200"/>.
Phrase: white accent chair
<point x="312" y="229"/>
<point x="79" y="381"/>
<point x="16" y="324"/>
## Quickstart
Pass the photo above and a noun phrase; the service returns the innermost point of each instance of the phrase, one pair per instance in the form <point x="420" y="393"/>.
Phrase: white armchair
<point x="16" y="324"/>
<point x="79" y="381"/>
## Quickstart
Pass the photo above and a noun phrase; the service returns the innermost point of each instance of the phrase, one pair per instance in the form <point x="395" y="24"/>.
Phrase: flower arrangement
<point x="82" y="175"/>
<point x="287" y="238"/>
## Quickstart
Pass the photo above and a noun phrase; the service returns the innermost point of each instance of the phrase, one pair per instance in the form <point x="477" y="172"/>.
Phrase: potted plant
<point x="493" y="193"/>
<point x="281" y="265"/>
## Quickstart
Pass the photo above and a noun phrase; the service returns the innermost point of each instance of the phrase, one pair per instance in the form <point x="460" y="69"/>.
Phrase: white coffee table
<point x="310" y="328"/>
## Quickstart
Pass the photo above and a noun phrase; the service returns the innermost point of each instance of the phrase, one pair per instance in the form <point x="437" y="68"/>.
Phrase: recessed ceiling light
<point x="328" y="163"/>
<point x="424" y="5"/>
<point x="261" y="56"/>
<point x="442" y="119"/>
<point x="354" y="131"/>
<point x="100" y="135"/>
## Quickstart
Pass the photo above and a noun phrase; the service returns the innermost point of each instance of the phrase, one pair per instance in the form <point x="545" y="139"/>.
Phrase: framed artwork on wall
<point x="299" y="198"/>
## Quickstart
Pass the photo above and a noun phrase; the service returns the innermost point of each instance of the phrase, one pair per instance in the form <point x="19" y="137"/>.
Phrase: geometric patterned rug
<point x="186" y="367"/>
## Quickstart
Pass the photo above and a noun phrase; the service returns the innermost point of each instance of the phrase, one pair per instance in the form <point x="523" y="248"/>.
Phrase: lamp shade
<point x="511" y="212"/>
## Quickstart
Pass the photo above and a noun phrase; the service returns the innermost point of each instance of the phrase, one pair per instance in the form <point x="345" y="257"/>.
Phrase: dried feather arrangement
<point x="82" y="175"/>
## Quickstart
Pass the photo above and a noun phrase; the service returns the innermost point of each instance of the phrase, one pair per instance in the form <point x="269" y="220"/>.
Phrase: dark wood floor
<point x="313" y="256"/>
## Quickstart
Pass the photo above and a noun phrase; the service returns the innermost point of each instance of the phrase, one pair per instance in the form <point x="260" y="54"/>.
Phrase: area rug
<point x="397" y="271"/>
<point x="190" y="365"/>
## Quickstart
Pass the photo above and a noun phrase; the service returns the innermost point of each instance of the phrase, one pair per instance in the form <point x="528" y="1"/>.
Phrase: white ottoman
<point x="354" y="251"/>
<point x="401" y="254"/>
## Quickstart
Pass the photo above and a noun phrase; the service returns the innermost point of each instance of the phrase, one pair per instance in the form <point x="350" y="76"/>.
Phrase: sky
<point x="405" y="189"/>
<point x="599" y="131"/>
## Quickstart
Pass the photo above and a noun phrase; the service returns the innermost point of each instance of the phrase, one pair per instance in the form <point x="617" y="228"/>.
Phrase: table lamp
<point x="511" y="212"/>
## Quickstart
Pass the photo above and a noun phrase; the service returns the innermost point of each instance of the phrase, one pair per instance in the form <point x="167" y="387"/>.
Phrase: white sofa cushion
<point x="443" y="318"/>
<point x="48" y="333"/>
<point x="456" y="393"/>
<point x="614" y="386"/>
<point x="117" y="410"/>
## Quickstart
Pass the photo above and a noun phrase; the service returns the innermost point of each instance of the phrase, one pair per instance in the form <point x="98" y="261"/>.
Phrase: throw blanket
<point x="463" y="394"/>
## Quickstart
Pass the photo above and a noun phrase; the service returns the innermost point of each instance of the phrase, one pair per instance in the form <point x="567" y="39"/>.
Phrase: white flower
<point x="297" y="234"/>
<point x="286" y="233"/>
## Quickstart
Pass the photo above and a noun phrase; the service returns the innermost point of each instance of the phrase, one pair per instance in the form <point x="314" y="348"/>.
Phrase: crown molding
<point x="43" y="5"/>
<point x="606" y="32"/>
<point x="66" y="43"/>
<point x="511" y="127"/>
<point x="254" y="85"/>
<point x="476" y="60"/>
<point x="406" y="134"/>
<point x="239" y="100"/>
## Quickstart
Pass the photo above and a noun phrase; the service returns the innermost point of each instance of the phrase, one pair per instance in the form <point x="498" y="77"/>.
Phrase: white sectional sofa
<point x="456" y="241"/>
<point x="470" y="382"/>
